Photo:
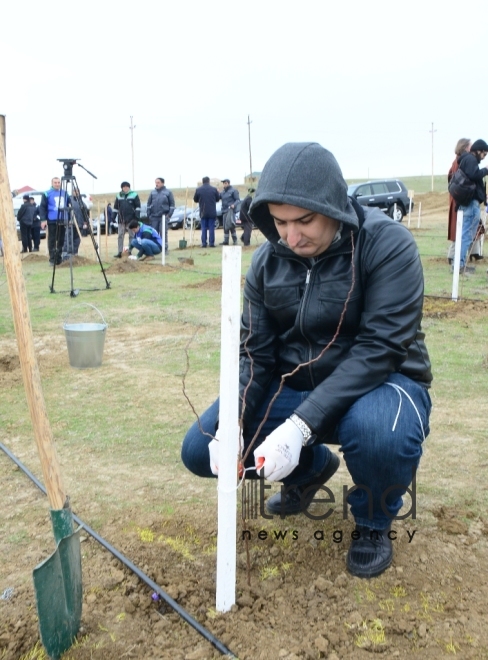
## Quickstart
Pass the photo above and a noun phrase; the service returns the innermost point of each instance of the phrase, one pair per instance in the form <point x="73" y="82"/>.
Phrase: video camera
<point x="68" y="165"/>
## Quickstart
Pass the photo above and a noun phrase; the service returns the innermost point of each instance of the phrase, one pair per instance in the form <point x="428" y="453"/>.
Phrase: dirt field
<point x="301" y="603"/>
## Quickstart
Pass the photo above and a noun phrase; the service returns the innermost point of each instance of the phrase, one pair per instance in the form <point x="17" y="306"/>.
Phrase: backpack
<point x="461" y="188"/>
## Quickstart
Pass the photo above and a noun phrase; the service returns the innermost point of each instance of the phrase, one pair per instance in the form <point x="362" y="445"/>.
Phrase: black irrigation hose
<point x="145" y="578"/>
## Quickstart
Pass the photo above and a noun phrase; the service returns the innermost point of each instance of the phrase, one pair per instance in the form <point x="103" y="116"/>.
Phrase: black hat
<point x="479" y="145"/>
<point x="124" y="183"/>
<point x="25" y="197"/>
<point x="225" y="181"/>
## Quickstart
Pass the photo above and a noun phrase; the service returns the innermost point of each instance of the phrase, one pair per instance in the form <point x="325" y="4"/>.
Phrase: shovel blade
<point x="58" y="587"/>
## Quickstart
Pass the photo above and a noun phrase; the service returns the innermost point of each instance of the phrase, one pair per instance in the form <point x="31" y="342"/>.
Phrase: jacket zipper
<point x="302" y="314"/>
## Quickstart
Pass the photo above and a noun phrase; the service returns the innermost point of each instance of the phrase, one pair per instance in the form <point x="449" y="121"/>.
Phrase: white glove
<point x="214" y="450"/>
<point x="280" y="452"/>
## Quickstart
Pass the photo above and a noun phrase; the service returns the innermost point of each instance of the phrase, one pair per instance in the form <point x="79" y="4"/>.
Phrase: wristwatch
<point x="308" y="436"/>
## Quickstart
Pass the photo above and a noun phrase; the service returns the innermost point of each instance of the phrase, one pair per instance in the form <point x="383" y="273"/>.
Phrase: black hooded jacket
<point x="360" y="300"/>
<point x="469" y="164"/>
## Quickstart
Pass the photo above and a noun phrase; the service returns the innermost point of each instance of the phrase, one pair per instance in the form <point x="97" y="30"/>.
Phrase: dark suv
<point x="383" y="194"/>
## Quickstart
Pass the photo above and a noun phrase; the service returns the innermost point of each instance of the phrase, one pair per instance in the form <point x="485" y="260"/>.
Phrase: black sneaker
<point x="371" y="553"/>
<point x="294" y="500"/>
<point x="118" y="255"/>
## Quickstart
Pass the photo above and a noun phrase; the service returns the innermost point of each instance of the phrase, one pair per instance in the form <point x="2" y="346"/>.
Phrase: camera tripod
<point x="65" y="223"/>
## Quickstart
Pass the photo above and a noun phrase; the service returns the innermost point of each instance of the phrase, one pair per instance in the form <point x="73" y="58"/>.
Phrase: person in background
<point x="53" y="211"/>
<point x="160" y="203"/>
<point x="109" y="218"/>
<point x="469" y="162"/>
<point x="36" y="227"/>
<point x="25" y="216"/>
<point x="206" y="196"/>
<point x="127" y="207"/>
<point x="246" y="222"/>
<point x="72" y="238"/>
<point x="332" y="352"/>
<point x="230" y="200"/>
<point x="463" y="145"/>
<point x="146" y="239"/>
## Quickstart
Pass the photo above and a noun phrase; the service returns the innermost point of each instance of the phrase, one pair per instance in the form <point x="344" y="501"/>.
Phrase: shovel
<point x="57" y="580"/>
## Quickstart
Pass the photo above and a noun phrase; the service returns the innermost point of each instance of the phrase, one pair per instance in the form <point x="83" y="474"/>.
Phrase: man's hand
<point x="214" y="451"/>
<point x="279" y="454"/>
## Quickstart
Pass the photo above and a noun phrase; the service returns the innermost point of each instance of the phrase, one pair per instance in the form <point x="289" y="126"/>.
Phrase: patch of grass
<point x="372" y="635"/>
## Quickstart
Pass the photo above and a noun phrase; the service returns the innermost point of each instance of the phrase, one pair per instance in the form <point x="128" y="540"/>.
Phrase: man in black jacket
<point x="25" y="216"/>
<point x="127" y="207"/>
<point x="36" y="226"/>
<point x="230" y="200"/>
<point x="331" y="333"/>
<point x="469" y="163"/>
<point x="245" y="218"/>
<point x="206" y="196"/>
<point x="161" y="202"/>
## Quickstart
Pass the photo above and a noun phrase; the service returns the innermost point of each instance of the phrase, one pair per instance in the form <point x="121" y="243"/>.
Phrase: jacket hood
<point x="302" y="174"/>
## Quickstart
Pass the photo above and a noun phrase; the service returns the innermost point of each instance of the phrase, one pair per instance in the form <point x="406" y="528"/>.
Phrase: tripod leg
<point x="86" y="220"/>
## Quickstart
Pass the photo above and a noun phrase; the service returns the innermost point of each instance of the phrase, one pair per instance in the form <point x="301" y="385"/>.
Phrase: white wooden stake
<point x="420" y="214"/>
<point x="482" y="237"/>
<point x="457" y="255"/>
<point x="228" y="428"/>
<point x="163" y="236"/>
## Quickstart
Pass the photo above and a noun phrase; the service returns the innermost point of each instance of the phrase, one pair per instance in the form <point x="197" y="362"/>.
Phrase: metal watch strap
<point x="304" y="428"/>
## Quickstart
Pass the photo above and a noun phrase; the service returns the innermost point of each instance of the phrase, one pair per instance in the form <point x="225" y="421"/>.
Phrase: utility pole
<point x="432" y="131"/>
<point x="249" y="122"/>
<point x="132" y="126"/>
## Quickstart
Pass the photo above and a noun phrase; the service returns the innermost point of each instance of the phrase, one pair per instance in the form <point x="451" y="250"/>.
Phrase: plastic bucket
<point x="85" y="342"/>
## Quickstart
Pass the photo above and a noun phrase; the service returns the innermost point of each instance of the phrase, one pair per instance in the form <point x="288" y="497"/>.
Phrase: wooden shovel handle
<point x="25" y="341"/>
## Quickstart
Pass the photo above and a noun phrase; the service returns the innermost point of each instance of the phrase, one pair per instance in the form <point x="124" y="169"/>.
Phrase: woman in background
<point x="464" y="144"/>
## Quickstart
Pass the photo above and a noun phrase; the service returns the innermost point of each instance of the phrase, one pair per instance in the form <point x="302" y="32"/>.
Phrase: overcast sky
<point x="365" y="79"/>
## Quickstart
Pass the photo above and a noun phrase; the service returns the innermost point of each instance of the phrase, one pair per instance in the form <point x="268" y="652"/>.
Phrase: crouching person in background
<point x="146" y="239"/>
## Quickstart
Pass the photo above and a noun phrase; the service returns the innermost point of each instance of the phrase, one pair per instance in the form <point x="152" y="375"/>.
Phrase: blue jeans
<point x="380" y="436"/>
<point x="471" y="219"/>
<point x="146" y="246"/>
<point x="208" y="224"/>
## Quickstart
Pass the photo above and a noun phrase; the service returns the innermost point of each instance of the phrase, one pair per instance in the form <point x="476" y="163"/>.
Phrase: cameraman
<point x="53" y="211"/>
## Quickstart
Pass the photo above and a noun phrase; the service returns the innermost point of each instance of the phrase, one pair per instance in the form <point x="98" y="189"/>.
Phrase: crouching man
<point x="146" y="239"/>
<point x="332" y="304"/>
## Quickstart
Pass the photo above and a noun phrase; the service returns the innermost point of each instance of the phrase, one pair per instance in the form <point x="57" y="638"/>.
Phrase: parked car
<point x="383" y="194"/>
<point x="18" y="200"/>
<point x="176" y="220"/>
<point x="114" y="226"/>
<point x="113" y="229"/>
